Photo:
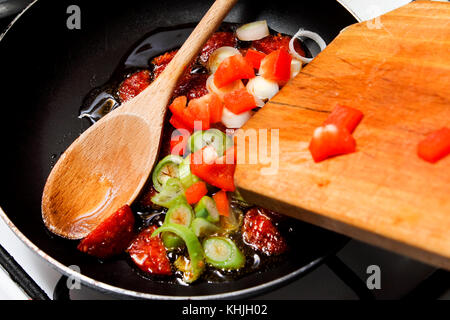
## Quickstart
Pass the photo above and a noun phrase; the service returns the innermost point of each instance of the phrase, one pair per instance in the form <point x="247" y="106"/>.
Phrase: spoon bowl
<point x="83" y="188"/>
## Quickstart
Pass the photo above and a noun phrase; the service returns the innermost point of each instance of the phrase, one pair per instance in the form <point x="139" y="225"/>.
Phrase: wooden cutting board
<point x="396" y="69"/>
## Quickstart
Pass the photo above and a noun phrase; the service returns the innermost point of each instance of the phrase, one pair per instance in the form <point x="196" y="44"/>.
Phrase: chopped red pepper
<point x="213" y="103"/>
<point x="435" y="146"/>
<point x="218" y="173"/>
<point x="177" y="123"/>
<point x="222" y="203"/>
<point x="330" y="141"/>
<point x="215" y="108"/>
<point x="178" y="109"/>
<point x="112" y="236"/>
<point x="178" y="143"/>
<point x="254" y="57"/>
<point x="178" y="106"/>
<point x="133" y="85"/>
<point x="235" y="85"/>
<point x="196" y="113"/>
<point x="277" y="66"/>
<point x="344" y="117"/>
<point x="149" y="253"/>
<point x="195" y="192"/>
<point x="231" y="69"/>
<point x="239" y="101"/>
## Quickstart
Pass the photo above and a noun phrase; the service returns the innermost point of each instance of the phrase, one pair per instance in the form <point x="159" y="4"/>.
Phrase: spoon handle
<point x="205" y="28"/>
<point x="166" y="82"/>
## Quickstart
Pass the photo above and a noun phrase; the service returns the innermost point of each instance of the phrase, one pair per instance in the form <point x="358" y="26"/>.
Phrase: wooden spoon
<point x="107" y="166"/>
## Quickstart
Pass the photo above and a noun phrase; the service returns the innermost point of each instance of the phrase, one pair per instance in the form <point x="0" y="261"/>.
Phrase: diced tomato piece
<point x="222" y="203"/>
<point x="178" y="109"/>
<point x="192" y="86"/>
<point x="239" y="101"/>
<point x="149" y="253"/>
<point x="219" y="173"/>
<point x="274" y="42"/>
<point x="178" y="106"/>
<point x="277" y="66"/>
<point x="164" y="59"/>
<point x="435" y="146"/>
<point x="112" y="236"/>
<point x="222" y="172"/>
<point x="330" y="141"/>
<point x="198" y="113"/>
<point x="215" y="108"/>
<point x="259" y="231"/>
<point x="177" y="123"/>
<point x="161" y="62"/>
<point x="235" y="85"/>
<point x="344" y="117"/>
<point x="134" y="84"/>
<point x="217" y="40"/>
<point x="231" y="69"/>
<point x="178" y="143"/>
<point x="254" y="58"/>
<point x="214" y="104"/>
<point x="195" y="192"/>
<point x="186" y="117"/>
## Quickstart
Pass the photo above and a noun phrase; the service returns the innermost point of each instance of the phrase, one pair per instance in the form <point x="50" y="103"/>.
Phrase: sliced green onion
<point x="187" y="178"/>
<point x="206" y="208"/>
<point x="170" y="195"/>
<point x="203" y="213"/>
<point x="203" y="227"/>
<point x="171" y="241"/>
<point x="165" y="169"/>
<point x="212" y="137"/>
<point x="195" y="250"/>
<point x="179" y="214"/>
<point x="221" y="252"/>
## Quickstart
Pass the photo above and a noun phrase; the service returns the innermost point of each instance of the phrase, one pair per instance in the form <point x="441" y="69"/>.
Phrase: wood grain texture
<point x="108" y="165"/>
<point x="384" y="194"/>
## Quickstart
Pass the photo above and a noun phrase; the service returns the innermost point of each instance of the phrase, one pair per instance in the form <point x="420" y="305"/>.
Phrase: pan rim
<point x="107" y="288"/>
<point x="104" y="287"/>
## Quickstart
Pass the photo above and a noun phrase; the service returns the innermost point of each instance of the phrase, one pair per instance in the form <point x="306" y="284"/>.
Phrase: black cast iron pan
<point x="47" y="70"/>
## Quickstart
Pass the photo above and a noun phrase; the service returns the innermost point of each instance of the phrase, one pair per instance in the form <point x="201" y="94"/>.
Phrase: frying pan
<point x="47" y="70"/>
